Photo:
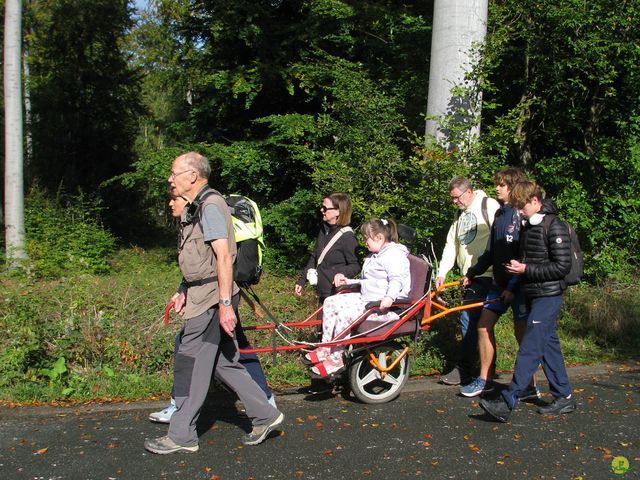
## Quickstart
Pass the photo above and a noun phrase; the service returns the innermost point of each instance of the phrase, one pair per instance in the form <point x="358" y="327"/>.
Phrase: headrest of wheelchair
<point x="407" y="234"/>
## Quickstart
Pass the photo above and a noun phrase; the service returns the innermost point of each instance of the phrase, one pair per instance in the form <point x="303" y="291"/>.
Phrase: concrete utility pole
<point x="13" y="139"/>
<point x="457" y="26"/>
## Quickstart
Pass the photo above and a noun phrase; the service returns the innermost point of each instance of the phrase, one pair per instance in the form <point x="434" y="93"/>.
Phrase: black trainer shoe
<point x="497" y="408"/>
<point x="457" y="376"/>
<point x="558" y="406"/>
<point x="317" y="387"/>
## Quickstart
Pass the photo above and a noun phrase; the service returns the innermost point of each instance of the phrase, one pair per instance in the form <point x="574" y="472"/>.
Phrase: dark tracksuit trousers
<point x="540" y="345"/>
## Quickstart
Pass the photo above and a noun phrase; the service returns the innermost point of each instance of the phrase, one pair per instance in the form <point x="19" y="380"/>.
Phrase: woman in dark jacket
<point x="341" y="256"/>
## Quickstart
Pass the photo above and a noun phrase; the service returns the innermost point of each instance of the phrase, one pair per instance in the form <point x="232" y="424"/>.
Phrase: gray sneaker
<point x="165" y="445"/>
<point x="530" y="393"/>
<point x="455" y="377"/>
<point x="260" y="432"/>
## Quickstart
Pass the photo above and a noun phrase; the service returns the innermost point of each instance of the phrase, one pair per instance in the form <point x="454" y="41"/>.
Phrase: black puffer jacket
<point x="341" y="258"/>
<point x="546" y="254"/>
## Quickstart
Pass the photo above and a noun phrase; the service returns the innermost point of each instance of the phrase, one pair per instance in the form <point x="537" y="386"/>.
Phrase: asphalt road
<point x="429" y="432"/>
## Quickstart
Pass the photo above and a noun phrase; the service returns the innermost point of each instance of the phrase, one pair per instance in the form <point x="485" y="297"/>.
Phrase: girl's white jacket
<point x="385" y="274"/>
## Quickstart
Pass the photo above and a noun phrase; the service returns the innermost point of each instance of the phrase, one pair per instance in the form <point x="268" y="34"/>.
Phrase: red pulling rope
<point x="167" y="311"/>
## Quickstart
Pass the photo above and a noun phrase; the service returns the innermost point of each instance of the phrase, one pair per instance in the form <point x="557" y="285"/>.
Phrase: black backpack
<point x="577" y="263"/>
<point x="248" y="233"/>
<point x="247" y="225"/>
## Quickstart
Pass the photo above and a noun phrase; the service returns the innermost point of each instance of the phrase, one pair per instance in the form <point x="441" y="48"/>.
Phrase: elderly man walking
<point x="206" y="299"/>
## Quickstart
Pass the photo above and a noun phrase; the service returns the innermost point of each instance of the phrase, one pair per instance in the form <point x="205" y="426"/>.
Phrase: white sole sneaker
<point x="260" y="432"/>
<point x="164" y="415"/>
<point x="164" y="445"/>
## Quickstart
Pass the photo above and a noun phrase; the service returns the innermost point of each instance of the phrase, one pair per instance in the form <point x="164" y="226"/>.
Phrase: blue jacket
<point x="503" y="246"/>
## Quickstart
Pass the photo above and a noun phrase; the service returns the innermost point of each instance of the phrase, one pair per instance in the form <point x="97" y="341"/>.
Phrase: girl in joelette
<point x="385" y="278"/>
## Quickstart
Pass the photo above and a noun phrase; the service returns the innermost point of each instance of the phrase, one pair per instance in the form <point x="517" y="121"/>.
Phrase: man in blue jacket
<point x="545" y="261"/>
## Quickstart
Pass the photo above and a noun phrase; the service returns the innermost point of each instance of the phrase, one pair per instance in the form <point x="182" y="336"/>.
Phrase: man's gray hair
<point x="461" y="183"/>
<point x="199" y="163"/>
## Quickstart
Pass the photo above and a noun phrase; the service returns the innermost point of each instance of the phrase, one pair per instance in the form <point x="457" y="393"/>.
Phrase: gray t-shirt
<point x="214" y="225"/>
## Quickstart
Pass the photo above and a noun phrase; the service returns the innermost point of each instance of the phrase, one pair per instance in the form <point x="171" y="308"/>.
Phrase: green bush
<point x="65" y="236"/>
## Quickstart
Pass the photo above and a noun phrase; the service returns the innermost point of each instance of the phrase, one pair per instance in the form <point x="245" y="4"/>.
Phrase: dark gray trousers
<point x="206" y="347"/>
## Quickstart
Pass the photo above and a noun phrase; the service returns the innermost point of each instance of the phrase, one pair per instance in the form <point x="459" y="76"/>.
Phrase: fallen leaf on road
<point x="41" y="451"/>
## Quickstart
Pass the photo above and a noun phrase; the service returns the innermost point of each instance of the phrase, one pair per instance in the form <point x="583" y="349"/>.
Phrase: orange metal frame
<point x="426" y="304"/>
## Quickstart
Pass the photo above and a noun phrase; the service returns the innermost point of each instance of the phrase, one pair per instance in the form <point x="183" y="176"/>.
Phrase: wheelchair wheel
<point x="368" y="384"/>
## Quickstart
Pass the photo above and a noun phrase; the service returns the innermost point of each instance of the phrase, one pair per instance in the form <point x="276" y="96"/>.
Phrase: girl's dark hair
<point x="387" y="227"/>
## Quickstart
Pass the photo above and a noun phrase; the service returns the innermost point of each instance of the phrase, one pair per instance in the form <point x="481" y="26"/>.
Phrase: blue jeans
<point x="540" y="345"/>
<point x="475" y="292"/>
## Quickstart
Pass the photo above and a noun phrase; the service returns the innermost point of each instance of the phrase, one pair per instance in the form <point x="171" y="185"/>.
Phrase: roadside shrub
<point x="65" y="235"/>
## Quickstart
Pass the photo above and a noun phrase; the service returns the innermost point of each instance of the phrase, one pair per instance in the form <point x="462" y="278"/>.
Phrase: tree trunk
<point x="28" y="139"/>
<point x="13" y="179"/>
<point x="457" y="26"/>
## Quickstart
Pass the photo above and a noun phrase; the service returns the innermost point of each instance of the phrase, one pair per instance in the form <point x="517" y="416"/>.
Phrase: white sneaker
<point x="272" y="400"/>
<point x="164" y="415"/>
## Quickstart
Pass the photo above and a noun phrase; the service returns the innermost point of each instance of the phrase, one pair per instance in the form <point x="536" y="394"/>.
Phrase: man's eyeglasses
<point x="457" y="197"/>
<point x="173" y="174"/>
<point x="324" y="209"/>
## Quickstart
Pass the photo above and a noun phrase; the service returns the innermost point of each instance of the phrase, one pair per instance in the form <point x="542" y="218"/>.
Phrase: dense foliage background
<point x="292" y="99"/>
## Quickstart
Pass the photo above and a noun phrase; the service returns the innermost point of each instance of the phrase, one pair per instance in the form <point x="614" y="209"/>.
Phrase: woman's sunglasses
<point x="324" y="209"/>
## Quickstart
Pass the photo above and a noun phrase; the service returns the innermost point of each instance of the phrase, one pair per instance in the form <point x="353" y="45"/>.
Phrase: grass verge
<point x="102" y="338"/>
